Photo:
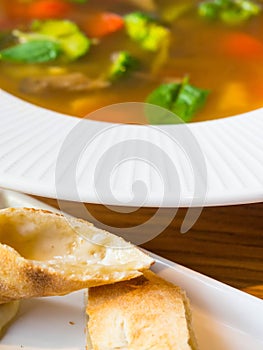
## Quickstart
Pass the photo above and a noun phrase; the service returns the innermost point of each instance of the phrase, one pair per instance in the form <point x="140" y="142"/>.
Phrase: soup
<point x="200" y="59"/>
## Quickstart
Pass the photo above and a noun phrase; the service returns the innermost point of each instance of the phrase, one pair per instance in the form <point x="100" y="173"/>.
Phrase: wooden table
<point x="226" y="243"/>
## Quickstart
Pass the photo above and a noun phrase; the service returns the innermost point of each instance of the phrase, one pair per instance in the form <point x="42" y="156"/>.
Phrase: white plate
<point x="224" y="318"/>
<point x="33" y="139"/>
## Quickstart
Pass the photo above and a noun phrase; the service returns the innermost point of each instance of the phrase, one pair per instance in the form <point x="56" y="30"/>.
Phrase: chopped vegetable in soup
<point x="182" y="99"/>
<point x="199" y="59"/>
<point x="228" y="11"/>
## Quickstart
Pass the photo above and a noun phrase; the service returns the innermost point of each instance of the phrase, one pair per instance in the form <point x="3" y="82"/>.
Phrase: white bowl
<point x="217" y="162"/>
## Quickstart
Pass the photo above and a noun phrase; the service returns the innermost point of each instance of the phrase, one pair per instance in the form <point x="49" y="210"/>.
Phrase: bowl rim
<point x="234" y="158"/>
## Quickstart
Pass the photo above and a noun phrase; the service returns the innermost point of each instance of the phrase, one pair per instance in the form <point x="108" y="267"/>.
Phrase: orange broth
<point x="199" y="48"/>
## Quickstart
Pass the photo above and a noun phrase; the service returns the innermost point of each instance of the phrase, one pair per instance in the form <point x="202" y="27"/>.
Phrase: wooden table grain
<point x="226" y="243"/>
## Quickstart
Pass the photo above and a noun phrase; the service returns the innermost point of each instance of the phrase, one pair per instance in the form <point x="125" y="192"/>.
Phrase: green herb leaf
<point x="188" y="101"/>
<point x="31" y="52"/>
<point x="182" y="99"/>
<point x="165" y="95"/>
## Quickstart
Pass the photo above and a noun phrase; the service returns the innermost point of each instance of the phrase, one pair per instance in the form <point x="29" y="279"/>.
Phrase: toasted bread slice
<point x="45" y="254"/>
<point x="7" y="313"/>
<point x="144" y="313"/>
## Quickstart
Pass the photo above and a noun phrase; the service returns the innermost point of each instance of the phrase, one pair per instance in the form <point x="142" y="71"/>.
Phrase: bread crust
<point x="45" y="254"/>
<point x="146" y="313"/>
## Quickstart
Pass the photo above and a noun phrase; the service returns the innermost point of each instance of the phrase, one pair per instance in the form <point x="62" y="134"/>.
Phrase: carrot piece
<point x="242" y="45"/>
<point x="103" y="24"/>
<point x="43" y="9"/>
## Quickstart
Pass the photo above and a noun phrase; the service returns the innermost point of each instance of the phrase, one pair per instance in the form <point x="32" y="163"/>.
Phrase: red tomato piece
<point x="242" y="45"/>
<point x="44" y="9"/>
<point x="103" y="24"/>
